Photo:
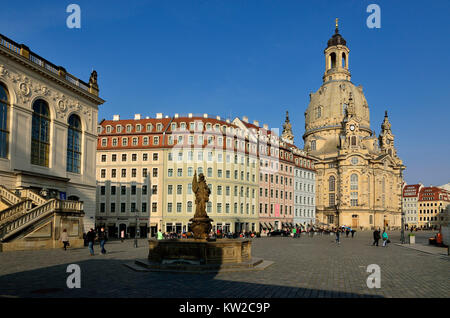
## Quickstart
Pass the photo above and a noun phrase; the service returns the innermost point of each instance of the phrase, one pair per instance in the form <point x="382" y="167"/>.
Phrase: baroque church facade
<point x="359" y="175"/>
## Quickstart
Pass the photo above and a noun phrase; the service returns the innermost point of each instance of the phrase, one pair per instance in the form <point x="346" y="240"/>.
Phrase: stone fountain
<point x="200" y="254"/>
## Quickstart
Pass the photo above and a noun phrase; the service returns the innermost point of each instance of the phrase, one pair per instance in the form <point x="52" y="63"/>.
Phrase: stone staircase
<point x="31" y="222"/>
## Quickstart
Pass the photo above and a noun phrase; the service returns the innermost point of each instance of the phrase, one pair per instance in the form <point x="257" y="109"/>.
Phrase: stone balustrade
<point x="9" y="196"/>
<point x="30" y="194"/>
<point x="51" y="206"/>
<point x="14" y="210"/>
<point x="36" y="59"/>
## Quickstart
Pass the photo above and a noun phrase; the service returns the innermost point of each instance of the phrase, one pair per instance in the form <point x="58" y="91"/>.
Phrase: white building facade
<point x="47" y="128"/>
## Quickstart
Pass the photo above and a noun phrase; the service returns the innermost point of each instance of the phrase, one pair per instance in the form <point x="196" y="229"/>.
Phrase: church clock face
<point x="352" y="127"/>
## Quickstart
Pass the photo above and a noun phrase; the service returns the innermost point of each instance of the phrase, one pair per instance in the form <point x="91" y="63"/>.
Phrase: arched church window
<point x="344" y="108"/>
<point x="344" y="60"/>
<point x="354" y="182"/>
<point x="331" y="183"/>
<point x="4" y="101"/>
<point x="40" y="133"/>
<point x="319" y="112"/>
<point x="313" y="145"/>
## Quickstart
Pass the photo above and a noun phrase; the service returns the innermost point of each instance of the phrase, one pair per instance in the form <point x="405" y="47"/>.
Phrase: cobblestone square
<point x="304" y="267"/>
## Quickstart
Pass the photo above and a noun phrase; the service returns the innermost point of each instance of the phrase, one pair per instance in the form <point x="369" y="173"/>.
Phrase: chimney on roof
<point x="147" y="117"/>
<point x="116" y="117"/>
<point x="205" y="115"/>
<point x="245" y="119"/>
<point x="266" y="127"/>
<point x="167" y="116"/>
<point x="228" y="121"/>
<point x="137" y="116"/>
<point x="159" y="115"/>
<point x="190" y="115"/>
<point x="218" y="117"/>
<point x="256" y="123"/>
<point x="176" y="115"/>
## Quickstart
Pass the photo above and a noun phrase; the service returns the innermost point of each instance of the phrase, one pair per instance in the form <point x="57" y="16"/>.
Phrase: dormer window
<point x="159" y="126"/>
<point x="119" y="128"/>
<point x="149" y="127"/>
<point x="138" y="127"/>
<point x="129" y="128"/>
<point x="108" y="129"/>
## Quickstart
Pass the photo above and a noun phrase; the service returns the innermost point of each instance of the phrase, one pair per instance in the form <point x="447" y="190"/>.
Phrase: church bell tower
<point x="336" y="58"/>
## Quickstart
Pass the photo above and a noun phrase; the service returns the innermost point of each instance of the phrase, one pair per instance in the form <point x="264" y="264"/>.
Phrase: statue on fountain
<point x="201" y="223"/>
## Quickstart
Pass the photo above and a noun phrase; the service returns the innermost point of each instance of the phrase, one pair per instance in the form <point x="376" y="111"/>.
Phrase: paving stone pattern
<point x="304" y="267"/>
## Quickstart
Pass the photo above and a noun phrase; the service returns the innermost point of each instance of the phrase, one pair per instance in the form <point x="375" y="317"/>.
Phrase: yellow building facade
<point x="359" y="175"/>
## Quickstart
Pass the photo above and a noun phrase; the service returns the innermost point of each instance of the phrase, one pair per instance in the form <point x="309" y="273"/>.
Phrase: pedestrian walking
<point x="347" y="232"/>
<point x="122" y="235"/>
<point x="65" y="239"/>
<point x="376" y="237"/>
<point x="160" y="235"/>
<point x="338" y="236"/>
<point x="102" y="238"/>
<point x="385" y="238"/>
<point x="90" y="236"/>
<point x="353" y="232"/>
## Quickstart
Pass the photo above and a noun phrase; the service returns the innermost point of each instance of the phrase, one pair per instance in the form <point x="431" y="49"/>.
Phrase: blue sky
<point x="256" y="58"/>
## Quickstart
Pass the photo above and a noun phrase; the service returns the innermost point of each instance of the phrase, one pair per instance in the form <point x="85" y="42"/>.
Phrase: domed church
<point x="359" y="175"/>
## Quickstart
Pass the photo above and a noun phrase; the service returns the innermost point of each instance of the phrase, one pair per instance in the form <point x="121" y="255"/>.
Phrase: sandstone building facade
<point x="359" y="175"/>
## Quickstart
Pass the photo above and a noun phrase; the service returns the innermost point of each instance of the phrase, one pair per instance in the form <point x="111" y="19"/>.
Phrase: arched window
<point x="40" y="134"/>
<point x="344" y="108"/>
<point x="331" y="183"/>
<point x="313" y="145"/>
<point x="4" y="134"/>
<point x="333" y="60"/>
<point x="344" y="60"/>
<point x="319" y="112"/>
<point x="354" y="182"/>
<point x="353" y="140"/>
<point x="74" y="144"/>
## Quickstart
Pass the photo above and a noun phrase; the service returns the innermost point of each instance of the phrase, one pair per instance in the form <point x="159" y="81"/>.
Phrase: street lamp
<point x="402" y="233"/>
<point x="135" y="232"/>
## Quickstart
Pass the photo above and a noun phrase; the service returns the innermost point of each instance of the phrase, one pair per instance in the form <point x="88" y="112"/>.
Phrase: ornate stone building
<point x="359" y="176"/>
<point x="48" y="121"/>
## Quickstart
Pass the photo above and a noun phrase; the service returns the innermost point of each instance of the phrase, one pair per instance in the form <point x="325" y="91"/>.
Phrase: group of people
<point x="377" y="236"/>
<point x="337" y="232"/>
<point x="93" y="236"/>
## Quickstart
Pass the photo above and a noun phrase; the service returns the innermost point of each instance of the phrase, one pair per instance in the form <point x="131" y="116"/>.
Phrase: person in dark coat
<point x="376" y="237"/>
<point x="353" y="232"/>
<point x="90" y="237"/>
<point x="102" y="239"/>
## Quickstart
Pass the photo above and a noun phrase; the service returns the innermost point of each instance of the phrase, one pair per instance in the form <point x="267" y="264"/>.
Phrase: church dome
<point x="336" y="39"/>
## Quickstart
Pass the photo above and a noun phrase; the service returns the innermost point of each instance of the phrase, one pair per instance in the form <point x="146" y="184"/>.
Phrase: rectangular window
<point x="113" y="207"/>
<point x="123" y="190"/>
<point x="144" y="190"/>
<point x="134" y="157"/>
<point x="133" y="190"/>
<point x="113" y="173"/>
<point x="113" y="190"/>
